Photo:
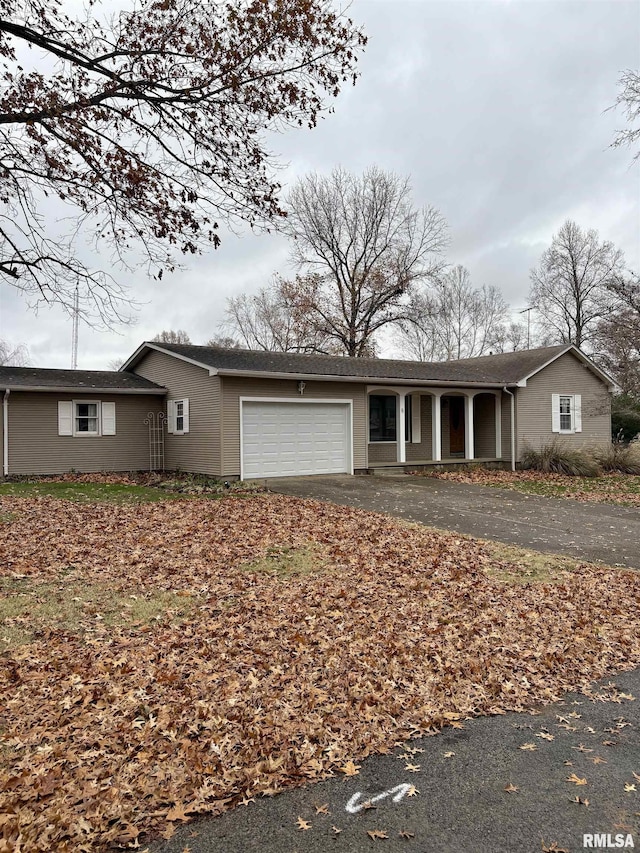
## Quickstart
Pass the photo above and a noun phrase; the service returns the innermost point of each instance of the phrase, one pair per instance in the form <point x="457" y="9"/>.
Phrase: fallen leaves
<point x="528" y="747"/>
<point x="377" y="834"/>
<point x="511" y="789"/>
<point x="272" y="680"/>
<point x="581" y="801"/>
<point x="576" y="780"/>
<point x="303" y="824"/>
<point x="619" y="489"/>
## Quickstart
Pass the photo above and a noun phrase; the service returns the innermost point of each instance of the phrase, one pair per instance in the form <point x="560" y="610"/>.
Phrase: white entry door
<point x="281" y="439"/>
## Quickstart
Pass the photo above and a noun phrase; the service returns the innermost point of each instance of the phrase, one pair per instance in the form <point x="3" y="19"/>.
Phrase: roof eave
<point x="365" y="380"/>
<point x="84" y="389"/>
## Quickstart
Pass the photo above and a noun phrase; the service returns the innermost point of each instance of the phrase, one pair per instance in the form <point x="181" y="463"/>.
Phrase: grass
<point x="289" y="562"/>
<point x="29" y="607"/>
<point x="115" y="493"/>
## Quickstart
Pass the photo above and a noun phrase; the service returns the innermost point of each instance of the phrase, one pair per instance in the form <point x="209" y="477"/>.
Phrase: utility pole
<point x="74" y="332"/>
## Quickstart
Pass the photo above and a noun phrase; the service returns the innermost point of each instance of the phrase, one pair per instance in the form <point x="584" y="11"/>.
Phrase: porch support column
<point x="498" y="424"/>
<point x="468" y="432"/>
<point x="436" y="427"/>
<point x="400" y="427"/>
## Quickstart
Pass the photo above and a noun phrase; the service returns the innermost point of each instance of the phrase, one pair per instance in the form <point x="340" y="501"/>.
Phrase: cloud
<point x="497" y="110"/>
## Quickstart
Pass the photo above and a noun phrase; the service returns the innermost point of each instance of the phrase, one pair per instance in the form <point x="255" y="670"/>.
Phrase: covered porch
<point x="431" y="426"/>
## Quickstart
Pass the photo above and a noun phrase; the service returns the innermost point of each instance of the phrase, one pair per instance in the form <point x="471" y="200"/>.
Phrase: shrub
<point x="558" y="458"/>
<point x="625" y="424"/>
<point x="618" y="456"/>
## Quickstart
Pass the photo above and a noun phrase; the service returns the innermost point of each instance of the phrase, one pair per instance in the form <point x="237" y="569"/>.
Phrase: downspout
<point x="5" y="433"/>
<point x="513" y="427"/>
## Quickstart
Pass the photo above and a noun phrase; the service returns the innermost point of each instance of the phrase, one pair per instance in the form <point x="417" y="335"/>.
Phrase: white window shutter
<point x="555" y="413"/>
<point x="171" y="416"/>
<point x="416" y="419"/>
<point x="65" y="417"/>
<point x="577" y="412"/>
<point x="185" y="413"/>
<point x="108" y="419"/>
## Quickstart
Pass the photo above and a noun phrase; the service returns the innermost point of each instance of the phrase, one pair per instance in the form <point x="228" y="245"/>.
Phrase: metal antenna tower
<point x="74" y="333"/>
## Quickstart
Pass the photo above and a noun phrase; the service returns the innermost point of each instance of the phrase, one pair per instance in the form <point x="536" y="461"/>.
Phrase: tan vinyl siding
<point x="383" y="451"/>
<point x="484" y="423"/>
<point x="566" y="375"/>
<point x="233" y="388"/>
<point x="199" y="449"/>
<point x="506" y="427"/>
<point x="36" y="448"/>
<point x="422" y="450"/>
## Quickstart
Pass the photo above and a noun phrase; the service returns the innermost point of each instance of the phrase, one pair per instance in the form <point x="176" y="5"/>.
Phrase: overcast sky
<point x="496" y="110"/>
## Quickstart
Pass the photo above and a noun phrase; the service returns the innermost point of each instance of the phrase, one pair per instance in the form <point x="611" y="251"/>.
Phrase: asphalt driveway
<point x="592" y="532"/>
<point x="453" y="800"/>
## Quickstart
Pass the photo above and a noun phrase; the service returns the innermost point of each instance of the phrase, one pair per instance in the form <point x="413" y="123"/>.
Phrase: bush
<point x="625" y="424"/>
<point x="618" y="456"/>
<point x="559" y="458"/>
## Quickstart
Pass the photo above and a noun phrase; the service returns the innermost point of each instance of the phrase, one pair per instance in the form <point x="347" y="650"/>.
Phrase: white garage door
<point x="282" y="439"/>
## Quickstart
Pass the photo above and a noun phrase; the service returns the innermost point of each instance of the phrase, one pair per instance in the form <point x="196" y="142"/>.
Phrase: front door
<point x="456" y="426"/>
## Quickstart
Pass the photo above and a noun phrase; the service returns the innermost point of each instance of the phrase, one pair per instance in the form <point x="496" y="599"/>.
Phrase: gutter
<point x="513" y="427"/>
<point x="5" y="433"/>
<point x="86" y="389"/>
<point x="365" y="380"/>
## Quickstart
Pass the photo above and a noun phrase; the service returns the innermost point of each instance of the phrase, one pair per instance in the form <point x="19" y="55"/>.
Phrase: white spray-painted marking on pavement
<point x="397" y="793"/>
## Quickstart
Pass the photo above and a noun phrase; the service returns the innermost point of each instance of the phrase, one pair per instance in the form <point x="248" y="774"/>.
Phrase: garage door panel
<point x="286" y="439"/>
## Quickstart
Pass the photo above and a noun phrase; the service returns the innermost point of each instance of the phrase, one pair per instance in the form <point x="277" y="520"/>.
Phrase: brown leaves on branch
<point x="151" y="123"/>
<point x="115" y="730"/>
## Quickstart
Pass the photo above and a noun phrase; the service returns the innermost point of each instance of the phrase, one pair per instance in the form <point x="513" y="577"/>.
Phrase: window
<point x="178" y="416"/>
<point x="382" y="418"/>
<point x="566" y="413"/>
<point x="86" y="421"/>
<point x="86" y="417"/>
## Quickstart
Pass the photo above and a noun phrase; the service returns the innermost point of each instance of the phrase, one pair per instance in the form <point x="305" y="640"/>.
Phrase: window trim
<point x="82" y="434"/>
<point x="172" y="419"/>
<point x="572" y="413"/>
<point x="575" y="411"/>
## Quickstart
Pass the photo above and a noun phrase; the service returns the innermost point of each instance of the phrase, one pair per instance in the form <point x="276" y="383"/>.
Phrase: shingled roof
<point x="47" y="379"/>
<point x="509" y="368"/>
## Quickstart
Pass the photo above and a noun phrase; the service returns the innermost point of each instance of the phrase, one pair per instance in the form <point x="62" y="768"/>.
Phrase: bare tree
<point x="273" y="320"/>
<point x="618" y="349"/>
<point x="571" y="287"/>
<point x="147" y="125"/>
<point x="223" y="341"/>
<point x="171" y="336"/>
<point x="629" y="100"/>
<point x="14" y="355"/>
<point x="454" y="320"/>
<point x="363" y="249"/>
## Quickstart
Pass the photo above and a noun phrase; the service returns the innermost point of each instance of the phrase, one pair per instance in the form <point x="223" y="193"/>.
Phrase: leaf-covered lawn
<point x="313" y="635"/>
<point x="621" y="489"/>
